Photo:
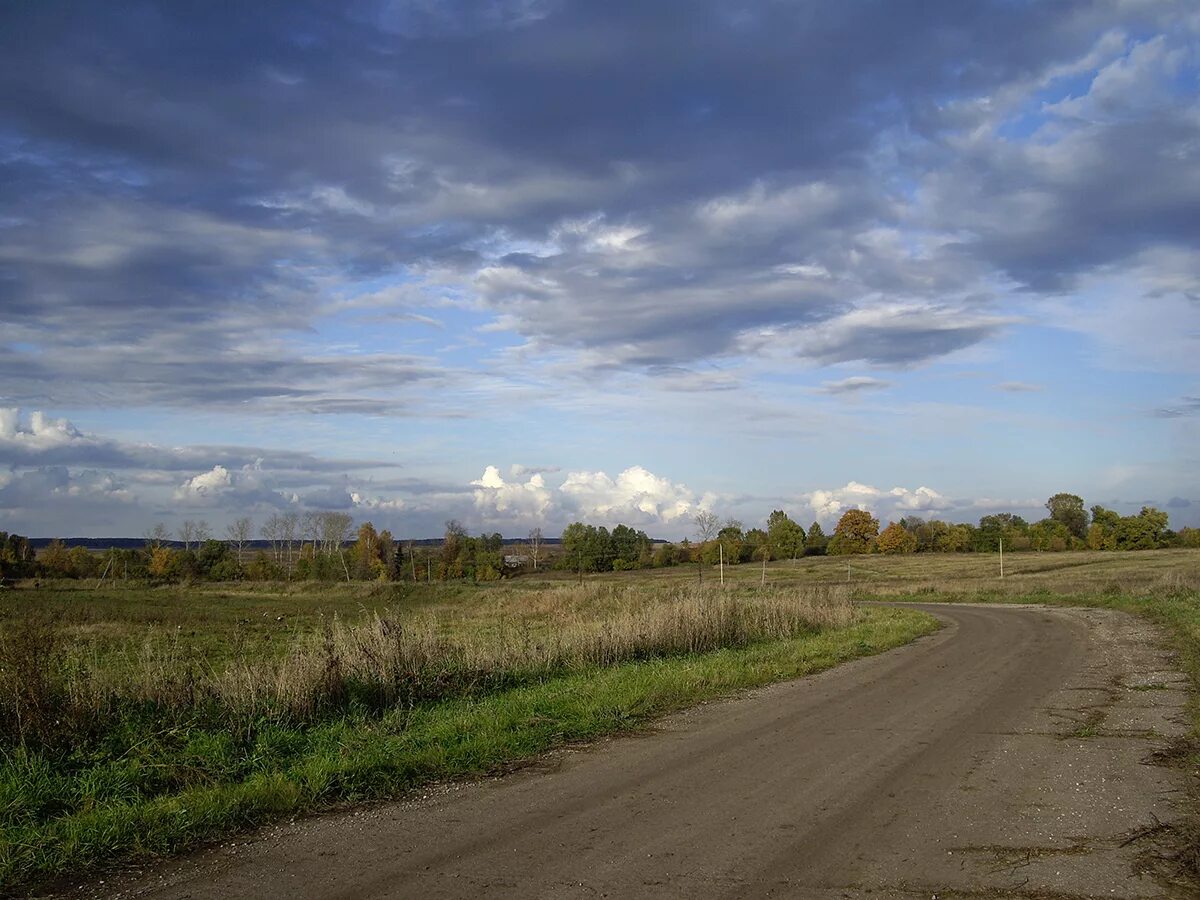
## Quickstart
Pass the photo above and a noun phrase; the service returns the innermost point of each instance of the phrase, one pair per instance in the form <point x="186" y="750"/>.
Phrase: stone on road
<point x="1008" y="755"/>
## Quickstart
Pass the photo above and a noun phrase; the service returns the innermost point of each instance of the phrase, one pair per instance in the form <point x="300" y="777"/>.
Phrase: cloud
<point x="635" y="496"/>
<point x="206" y="485"/>
<point x="1019" y="387"/>
<point x="1179" y="503"/>
<point x="56" y="486"/>
<point x="1187" y="406"/>
<point x="856" y="384"/>
<point x="246" y="488"/>
<point x="377" y="504"/>
<point x="678" y="200"/>
<point x="829" y="504"/>
<point x="582" y="181"/>
<point x="528" y="500"/>
<point x="516" y="470"/>
<point x="894" y="335"/>
<point x="1059" y="203"/>
<point x="42" y="433"/>
<point x="48" y="441"/>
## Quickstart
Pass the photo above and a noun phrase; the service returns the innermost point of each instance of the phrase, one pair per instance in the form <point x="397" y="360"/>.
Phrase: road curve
<point x="1001" y="756"/>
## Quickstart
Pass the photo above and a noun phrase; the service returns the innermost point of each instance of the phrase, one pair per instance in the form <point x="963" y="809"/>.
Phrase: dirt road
<point x="1002" y="757"/>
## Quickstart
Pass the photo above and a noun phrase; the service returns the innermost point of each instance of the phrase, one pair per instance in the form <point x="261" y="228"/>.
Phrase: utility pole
<point x="1001" y="559"/>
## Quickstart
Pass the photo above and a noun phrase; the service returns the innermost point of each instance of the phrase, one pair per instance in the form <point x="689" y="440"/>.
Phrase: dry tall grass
<point x="392" y="660"/>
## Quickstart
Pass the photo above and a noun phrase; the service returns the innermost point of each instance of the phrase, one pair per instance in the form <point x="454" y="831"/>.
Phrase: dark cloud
<point x="1102" y="175"/>
<point x="1178" y="503"/>
<point x="332" y="497"/>
<point x="56" y="486"/>
<point x="184" y="181"/>
<point x="892" y="336"/>
<point x="1187" y="406"/>
<point x="1019" y="387"/>
<point x="42" y="441"/>
<point x="856" y="384"/>
<point x="189" y="369"/>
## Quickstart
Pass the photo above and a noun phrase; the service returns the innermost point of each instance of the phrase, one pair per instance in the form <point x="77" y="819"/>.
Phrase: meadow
<point x="140" y="720"/>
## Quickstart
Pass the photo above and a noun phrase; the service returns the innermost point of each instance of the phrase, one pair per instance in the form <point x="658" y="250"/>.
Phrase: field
<point x="141" y="720"/>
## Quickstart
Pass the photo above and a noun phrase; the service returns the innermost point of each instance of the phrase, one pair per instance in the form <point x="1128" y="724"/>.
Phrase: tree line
<point x="1069" y="526"/>
<point x="324" y="546"/>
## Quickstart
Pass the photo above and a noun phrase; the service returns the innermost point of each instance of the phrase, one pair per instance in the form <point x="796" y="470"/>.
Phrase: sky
<point x="528" y="262"/>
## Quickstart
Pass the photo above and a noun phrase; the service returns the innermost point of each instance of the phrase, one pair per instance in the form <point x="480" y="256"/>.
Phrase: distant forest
<point x="324" y="546"/>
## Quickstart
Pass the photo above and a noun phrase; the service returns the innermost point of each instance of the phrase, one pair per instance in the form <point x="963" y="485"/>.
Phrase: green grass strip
<point x="360" y="758"/>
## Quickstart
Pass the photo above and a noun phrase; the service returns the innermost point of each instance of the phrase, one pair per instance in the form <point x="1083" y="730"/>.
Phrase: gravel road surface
<point x="1008" y="755"/>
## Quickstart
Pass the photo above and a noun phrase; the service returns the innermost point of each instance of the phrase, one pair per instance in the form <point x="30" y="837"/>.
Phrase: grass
<point x="172" y="716"/>
<point x="150" y="754"/>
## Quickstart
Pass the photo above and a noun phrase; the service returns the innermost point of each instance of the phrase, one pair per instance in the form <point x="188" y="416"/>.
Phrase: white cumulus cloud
<point x="220" y="486"/>
<point x="529" y="499"/>
<point x="829" y="504"/>
<point x="634" y="496"/>
<point x="42" y="432"/>
<point x="208" y="485"/>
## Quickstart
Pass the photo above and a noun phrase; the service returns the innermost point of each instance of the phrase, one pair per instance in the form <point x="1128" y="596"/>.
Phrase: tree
<point x="758" y="544"/>
<point x="387" y="553"/>
<point x="262" y="568"/>
<point x="215" y="560"/>
<point x="1011" y="529"/>
<point x="732" y="541"/>
<point x="1188" y="537"/>
<point x="193" y="532"/>
<point x="928" y="535"/>
<point x="1102" y="534"/>
<point x="629" y="546"/>
<point x="16" y="556"/>
<point x="366" y="556"/>
<point x="665" y="555"/>
<point x="1111" y="531"/>
<point x="164" y="563"/>
<point x="706" y="525"/>
<point x="896" y="539"/>
<point x="55" y="560"/>
<point x="289" y="524"/>
<point x="453" y="539"/>
<point x="1143" y="531"/>
<point x="535" y="546"/>
<point x="157" y="536"/>
<point x="1049" y="534"/>
<point x="271" y="531"/>
<point x="1068" y="509"/>
<point x="856" y="532"/>
<point x="815" y="542"/>
<point x="587" y="548"/>
<point x="956" y="539"/>
<point x="238" y="532"/>
<point x="784" y="537"/>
